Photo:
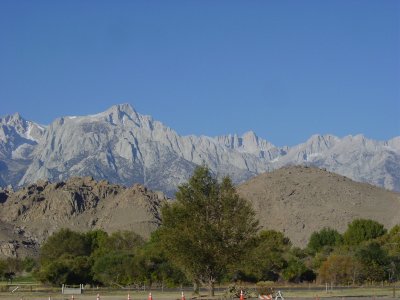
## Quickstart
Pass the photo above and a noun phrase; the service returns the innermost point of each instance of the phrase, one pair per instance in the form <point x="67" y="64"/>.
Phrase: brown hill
<point x="80" y="204"/>
<point x="301" y="200"/>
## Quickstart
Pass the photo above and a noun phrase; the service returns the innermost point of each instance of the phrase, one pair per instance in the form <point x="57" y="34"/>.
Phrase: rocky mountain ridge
<point x="123" y="146"/>
<point x="28" y="216"/>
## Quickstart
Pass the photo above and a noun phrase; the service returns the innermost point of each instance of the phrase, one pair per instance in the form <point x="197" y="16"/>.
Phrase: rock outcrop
<point x="81" y="204"/>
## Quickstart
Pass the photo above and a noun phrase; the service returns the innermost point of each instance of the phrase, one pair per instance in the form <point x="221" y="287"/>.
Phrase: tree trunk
<point x="196" y="288"/>
<point x="211" y="288"/>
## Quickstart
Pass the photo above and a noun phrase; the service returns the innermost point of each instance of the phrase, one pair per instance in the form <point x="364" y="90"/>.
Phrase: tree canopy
<point x="207" y="229"/>
<point x="325" y="237"/>
<point x="361" y="230"/>
<point x="265" y="261"/>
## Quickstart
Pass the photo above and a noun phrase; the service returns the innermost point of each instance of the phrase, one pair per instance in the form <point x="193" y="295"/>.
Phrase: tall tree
<point x="151" y="265"/>
<point x="266" y="260"/>
<point x="391" y="243"/>
<point x="325" y="237"/>
<point x="64" y="243"/>
<point x="340" y="269"/>
<point x="361" y="230"/>
<point x="375" y="261"/>
<point x="64" y="258"/>
<point x="207" y="228"/>
<point x="115" y="267"/>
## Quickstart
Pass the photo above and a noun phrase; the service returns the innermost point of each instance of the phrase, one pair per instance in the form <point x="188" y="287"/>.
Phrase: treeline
<point x="210" y="235"/>
<point x="364" y="253"/>
<point x="96" y="257"/>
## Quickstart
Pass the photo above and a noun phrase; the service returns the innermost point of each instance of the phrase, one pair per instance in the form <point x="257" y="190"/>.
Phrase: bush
<point x="234" y="291"/>
<point x="265" y="287"/>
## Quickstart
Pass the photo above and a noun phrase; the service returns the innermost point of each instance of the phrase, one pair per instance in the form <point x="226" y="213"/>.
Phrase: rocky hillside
<point x="301" y="200"/>
<point x="14" y="242"/>
<point x="30" y="215"/>
<point x="125" y="147"/>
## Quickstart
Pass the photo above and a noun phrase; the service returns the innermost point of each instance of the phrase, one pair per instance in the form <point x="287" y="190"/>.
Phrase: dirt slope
<point x="301" y="200"/>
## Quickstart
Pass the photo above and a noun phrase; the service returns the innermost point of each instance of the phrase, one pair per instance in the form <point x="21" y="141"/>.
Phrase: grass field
<point x="28" y="289"/>
<point x="289" y="293"/>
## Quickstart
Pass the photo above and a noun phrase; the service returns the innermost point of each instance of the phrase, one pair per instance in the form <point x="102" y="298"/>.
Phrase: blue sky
<point x="285" y="69"/>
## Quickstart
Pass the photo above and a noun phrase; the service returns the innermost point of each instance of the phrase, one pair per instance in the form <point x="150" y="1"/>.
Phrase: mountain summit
<point x="125" y="147"/>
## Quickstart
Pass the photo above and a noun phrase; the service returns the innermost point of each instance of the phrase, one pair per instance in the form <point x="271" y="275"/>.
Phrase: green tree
<point x="64" y="243"/>
<point x="119" y="241"/>
<point x="361" y="230"/>
<point x="72" y="258"/>
<point x="66" y="270"/>
<point x="265" y="261"/>
<point x="297" y="268"/>
<point x="3" y="268"/>
<point x="317" y="259"/>
<point x="124" y="240"/>
<point x="391" y="244"/>
<point x="96" y="239"/>
<point x="65" y="258"/>
<point x="14" y="265"/>
<point x="29" y="264"/>
<point x="55" y="272"/>
<point x="340" y="269"/>
<point x="391" y="241"/>
<point x="113" y="256"/>
<point x="114" y="268"/>
<point x="323" y="238"/>
<point x="294" y="270"/>
<point x="151" y="265"/>
<point x="375" y="261"/>
<point x="206" y="230"/>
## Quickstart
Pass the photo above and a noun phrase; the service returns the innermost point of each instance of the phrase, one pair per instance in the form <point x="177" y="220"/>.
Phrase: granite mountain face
<point x="18" y="140"/>
<point x="124" y="147"/>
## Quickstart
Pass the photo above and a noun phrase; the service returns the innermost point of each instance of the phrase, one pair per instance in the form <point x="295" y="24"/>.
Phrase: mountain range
<point x="122" y="146"/>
